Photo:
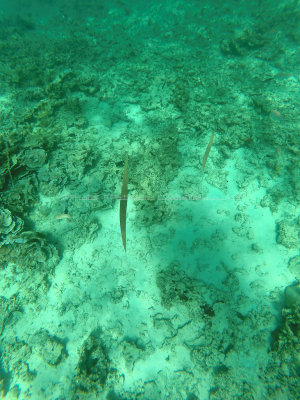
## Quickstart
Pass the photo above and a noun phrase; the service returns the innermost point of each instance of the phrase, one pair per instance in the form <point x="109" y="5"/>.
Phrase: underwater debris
<point x="207" y="151"/>
<point x="123" y="203"/>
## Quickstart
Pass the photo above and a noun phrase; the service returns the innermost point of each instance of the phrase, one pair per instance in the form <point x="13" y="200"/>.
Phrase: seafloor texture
<point x="204" y="303"/>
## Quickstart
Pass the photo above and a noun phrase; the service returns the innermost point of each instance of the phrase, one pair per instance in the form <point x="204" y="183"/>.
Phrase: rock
<point x="292" y="296"/>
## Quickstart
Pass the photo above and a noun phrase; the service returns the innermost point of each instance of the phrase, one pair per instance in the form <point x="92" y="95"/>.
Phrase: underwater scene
<point x="149" y="200"/>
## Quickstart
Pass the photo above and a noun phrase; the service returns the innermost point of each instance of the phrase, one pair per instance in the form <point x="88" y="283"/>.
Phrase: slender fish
<point x="123" y="203"/>
<point x="207" y="151"/>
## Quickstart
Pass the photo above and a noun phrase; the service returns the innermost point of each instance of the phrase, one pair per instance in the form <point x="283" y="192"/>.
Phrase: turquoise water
<point x="204" y="98"/>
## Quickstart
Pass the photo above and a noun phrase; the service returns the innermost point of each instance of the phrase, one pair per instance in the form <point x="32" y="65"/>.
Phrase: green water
<point x="204" y="98"/>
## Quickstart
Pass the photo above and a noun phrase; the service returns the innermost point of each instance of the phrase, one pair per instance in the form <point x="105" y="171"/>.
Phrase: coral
<point x="50" y="348"/>
<point x="288" y="233"/>
<point x="294" y="266"/>
<point x="93" y="366"/>
<point x="10" y="227"/>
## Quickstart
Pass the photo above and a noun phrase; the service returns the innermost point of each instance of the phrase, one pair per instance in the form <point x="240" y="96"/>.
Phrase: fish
<point x="207" y="151"/>
<point x="63" y="216"/>
<point x="276" y="115"/>
<point x="123" y="203"/>
<point x="278" y="149"/>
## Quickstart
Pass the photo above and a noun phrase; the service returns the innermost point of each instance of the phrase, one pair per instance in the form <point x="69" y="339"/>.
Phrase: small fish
<point x="276" y="115"/>
<point x="278" y="149"/>
<point x="207" y="151"/>
<point x="63" y="216"/>
<point x="123" y="202"/>
<point x="286" y="75"/>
